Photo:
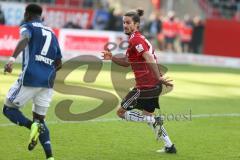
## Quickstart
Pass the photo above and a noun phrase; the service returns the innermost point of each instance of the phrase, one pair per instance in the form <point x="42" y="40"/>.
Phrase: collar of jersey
<point x="35" y="20"/>
<point x="133" y="34"/>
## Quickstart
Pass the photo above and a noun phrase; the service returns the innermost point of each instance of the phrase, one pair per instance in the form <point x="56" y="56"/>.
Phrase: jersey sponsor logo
<point x="139" y="48"/>
<point x="131" y="36"/>
<point x="43" y="59"/>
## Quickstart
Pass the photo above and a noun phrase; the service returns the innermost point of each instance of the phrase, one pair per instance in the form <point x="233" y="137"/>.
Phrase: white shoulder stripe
<point x="22" y="30"/>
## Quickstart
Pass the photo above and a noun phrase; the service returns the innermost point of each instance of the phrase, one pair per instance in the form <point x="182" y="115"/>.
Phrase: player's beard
<point x="128" y="32"/>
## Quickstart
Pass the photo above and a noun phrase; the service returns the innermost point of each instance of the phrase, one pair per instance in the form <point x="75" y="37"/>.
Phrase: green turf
<point x="201" y="90"/>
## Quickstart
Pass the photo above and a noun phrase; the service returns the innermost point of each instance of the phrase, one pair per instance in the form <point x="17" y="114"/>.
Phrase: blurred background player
<point x="140" y="55"/>
<point x="185" y="33"/>
<point x="41" y="60"/>
<point x="197" y="35"/>
<point x="155" y="30"/>
<point x="170" y="31"/>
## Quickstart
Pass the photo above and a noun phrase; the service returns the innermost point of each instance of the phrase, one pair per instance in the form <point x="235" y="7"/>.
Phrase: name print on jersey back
<point x="40" y="55"/>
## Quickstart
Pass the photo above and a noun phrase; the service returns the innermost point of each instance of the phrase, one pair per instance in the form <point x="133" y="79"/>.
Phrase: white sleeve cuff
<point x="12" y="59"/>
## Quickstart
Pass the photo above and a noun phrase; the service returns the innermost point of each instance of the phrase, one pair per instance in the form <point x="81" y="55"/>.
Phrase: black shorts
<point x="142" y="99"/>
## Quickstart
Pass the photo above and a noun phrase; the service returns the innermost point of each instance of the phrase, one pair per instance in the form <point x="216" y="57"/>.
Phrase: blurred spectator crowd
<point x="170" y="33"/>
<point x="166" y="32"/>
<point x="229" y="9"/>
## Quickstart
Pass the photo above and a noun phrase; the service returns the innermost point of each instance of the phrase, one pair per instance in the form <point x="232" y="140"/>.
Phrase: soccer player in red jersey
<point x="145" y="96"/>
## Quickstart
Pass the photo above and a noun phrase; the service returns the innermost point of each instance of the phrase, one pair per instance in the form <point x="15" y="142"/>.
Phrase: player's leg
<point x="168" y="145"/>
<point x="125" y="111"/>
<point x="134" y="116"/>
<point x="149" y="106"/>
<point x="15" y="115"/>
<point x="39" y="130"/>
<point x="149" y="101"/>
<point x="154" y="124"/>
<point x="40" y="107"/>
<point x="16" y="98"/>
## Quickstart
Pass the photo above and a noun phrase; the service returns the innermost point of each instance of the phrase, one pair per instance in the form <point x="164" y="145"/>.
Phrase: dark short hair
<point x="34" y="9"/>
<point x="135" y="15"/>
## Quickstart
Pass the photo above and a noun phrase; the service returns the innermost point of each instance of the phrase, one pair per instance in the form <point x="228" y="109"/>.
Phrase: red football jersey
<point x="144" y="75"/>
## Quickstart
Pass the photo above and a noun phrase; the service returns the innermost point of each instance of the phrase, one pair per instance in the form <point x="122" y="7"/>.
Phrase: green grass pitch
<point x="212" y="95"/>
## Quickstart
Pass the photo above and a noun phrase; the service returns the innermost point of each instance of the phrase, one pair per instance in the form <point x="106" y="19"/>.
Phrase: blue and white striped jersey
<point x="40" y="55"/>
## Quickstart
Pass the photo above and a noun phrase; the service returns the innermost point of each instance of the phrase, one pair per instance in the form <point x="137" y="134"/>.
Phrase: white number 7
<point x="46" y="46"/>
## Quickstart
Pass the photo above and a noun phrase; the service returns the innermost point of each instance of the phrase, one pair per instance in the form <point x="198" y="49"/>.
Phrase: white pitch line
<point x="216" y="115"/>
<point x="118" y="119"/>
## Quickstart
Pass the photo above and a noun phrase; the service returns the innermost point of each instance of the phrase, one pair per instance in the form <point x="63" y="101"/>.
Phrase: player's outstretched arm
<point x="19" y="48"/>
<point x="121" y="60"/>
<point x="118" y="59"/>
<point x="153" y="65"/>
